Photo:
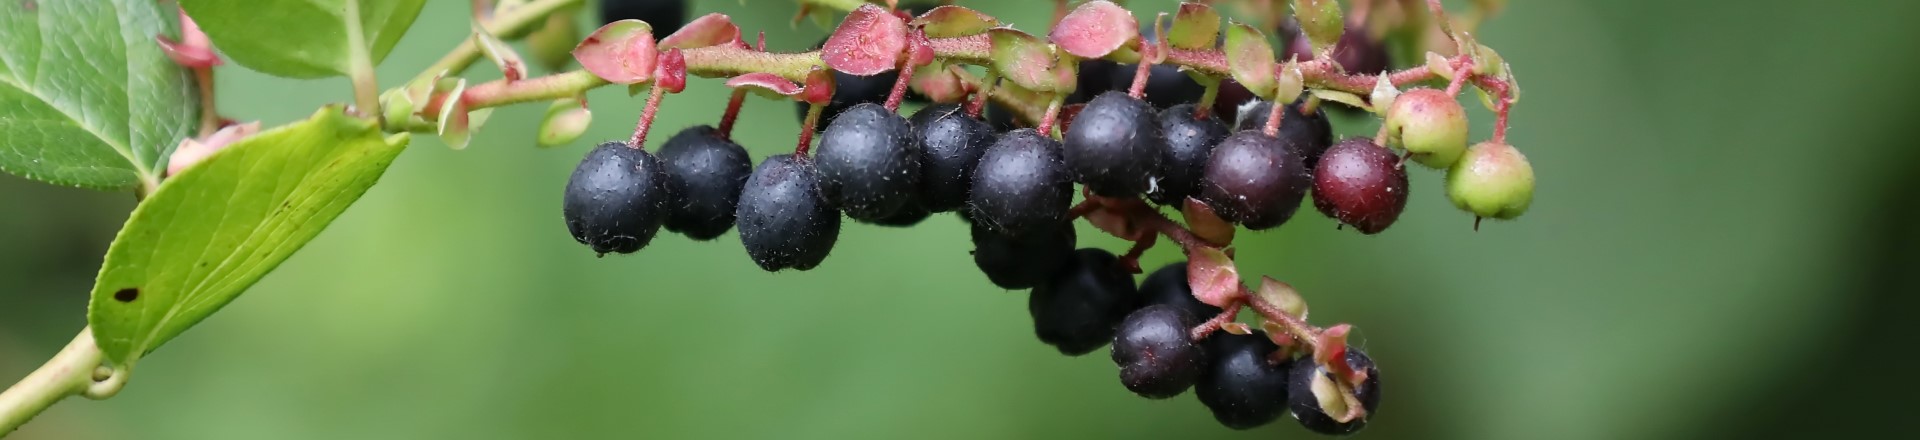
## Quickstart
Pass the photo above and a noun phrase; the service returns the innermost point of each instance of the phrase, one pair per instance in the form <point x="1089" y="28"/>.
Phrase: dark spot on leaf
<point x="126" y="295"/>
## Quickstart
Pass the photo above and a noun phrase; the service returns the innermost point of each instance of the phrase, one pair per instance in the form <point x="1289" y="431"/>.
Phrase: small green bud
<point x="1430" y="124"/>
<point x="1491" y="180"/>
<point x="566" y="119"/>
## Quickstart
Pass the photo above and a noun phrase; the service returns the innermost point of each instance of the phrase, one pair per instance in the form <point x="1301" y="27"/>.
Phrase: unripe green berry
<point x="1491" y="180"/>
<point x="1430" y="124"/>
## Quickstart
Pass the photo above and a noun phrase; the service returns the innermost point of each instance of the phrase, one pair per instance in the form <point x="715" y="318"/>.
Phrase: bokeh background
<point x="1721" y="247"/>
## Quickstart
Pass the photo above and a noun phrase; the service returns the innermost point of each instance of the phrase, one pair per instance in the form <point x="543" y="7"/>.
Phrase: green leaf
<point x="1250" y="60"/>
<point x="89" y="98"/>
<point x="213" y="230"/>
<point x="300" y="38"/>
<point x="1196" y="27"/>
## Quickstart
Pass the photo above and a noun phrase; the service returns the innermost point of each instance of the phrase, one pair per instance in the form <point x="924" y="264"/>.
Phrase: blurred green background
<point x="1720" y="247"/>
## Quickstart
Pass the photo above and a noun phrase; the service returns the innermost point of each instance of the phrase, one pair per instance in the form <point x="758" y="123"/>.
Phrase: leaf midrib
<point x="144" y="172"/>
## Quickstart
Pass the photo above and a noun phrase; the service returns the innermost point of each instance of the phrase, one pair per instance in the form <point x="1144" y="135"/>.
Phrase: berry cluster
<point x="1135" y="138"/>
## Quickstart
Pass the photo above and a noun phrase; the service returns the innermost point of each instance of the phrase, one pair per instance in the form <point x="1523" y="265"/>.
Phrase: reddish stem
<point x="646" y="116"/>
<point x="900" y="85"/>
<point x="981" y="93"/>
<point x="1140" y="246"/>
<point x="1053" y="113"/>
<point x="1142" y="71"/>
<point x="806" y="129"/>
<point x="733" y="113"/>
<point x="1227" y="314"/>
<point x="209" y="114"/>
<point x="1503" y="103"/>
<point x="1273" y="119"/>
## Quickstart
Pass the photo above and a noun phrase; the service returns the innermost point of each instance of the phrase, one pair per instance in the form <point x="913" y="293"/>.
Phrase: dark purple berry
<point x="1001" y="119"/>
<point x="1243" y="384"/>
<point x="870" y="168"/>
<point x="1311" y="133"/>
<point x="616" y="198"/>
<point x="1361" y="184"/>
<point x="1309" y="393"/>
<point x="785" y="221"/>
<point x="1114" y="145"/>
<point x="664" y="16"/>
<point x="704" y="175"/>
<point x="1169" y="286"/>
<point x="1021" y="186"/>
<point x="1077" y="309"/>
<point x="1255" y="180"/>
<point x="1019" y="263"/>
<point x="1157" y="360"/>
<point x="1190" y="142"/>
<point x="950" y="143"/>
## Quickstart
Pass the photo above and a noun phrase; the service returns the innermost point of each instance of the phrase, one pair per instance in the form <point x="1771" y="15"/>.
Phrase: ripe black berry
<point x="616" y="198"/>
<point x="1312" y="133"/>
<point x="665" y="16"/>
<point x="1255" y="180"/>
<point x="1168" y="286"/>
<point x="869" y="167"/>
<point x="1113" y="145"/>
<point x="1361" y="184"/>
<point x="1312" y="395"/>
<point x="785" y="221"/>
<point x="1019" y="263"/>
<point x="1021" y="186"/>
<point x="950" y="144"/>
<point x="1077" y="309"/>
<point x="1001" y="119"/>
<point x="1242" y="384"/>
<point x="704" y="175"/>
<point x="1157" y="360"/>
<point x="1189" y="143"/>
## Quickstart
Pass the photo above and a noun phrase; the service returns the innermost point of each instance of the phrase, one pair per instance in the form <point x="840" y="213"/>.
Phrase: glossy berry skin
<point x="616" y="199"/>
<point x="1226" y="106"/>
<point x="1430" y="124"/>
<point x="1361" y="184"/>
<point x="704" y="175"/>
<point x="1021" y="186"/>
<point x="1114" y="145"/>
<point x="1255" y="180"/>
<point x="1189" y="142"/>
<point x="1241" y="384"/>
<point x="1168" y="286"/>
<point x="1312" y="134"/>
<point x="1491" y="180"/>
<point x="1156" y="358"/>
<point x="1077" y="309"/>
<point x="785" y="221"/>
<point x="665" y="16"/>
<point x="950" y="144"/>
<point x="848" y="91"/>
<point x="870" y="168"/>
<point x="1020" y="263"/>
<point x="1305" y="404"/>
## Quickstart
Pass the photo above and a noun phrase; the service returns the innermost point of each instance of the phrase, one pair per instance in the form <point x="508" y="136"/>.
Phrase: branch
<point x="77" y="369"/>
<point x="511" y="22"/>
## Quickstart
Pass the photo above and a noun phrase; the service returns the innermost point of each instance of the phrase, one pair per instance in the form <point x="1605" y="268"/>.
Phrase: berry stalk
<point x="646" y="117"/>
<point x="732" y="113"/>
